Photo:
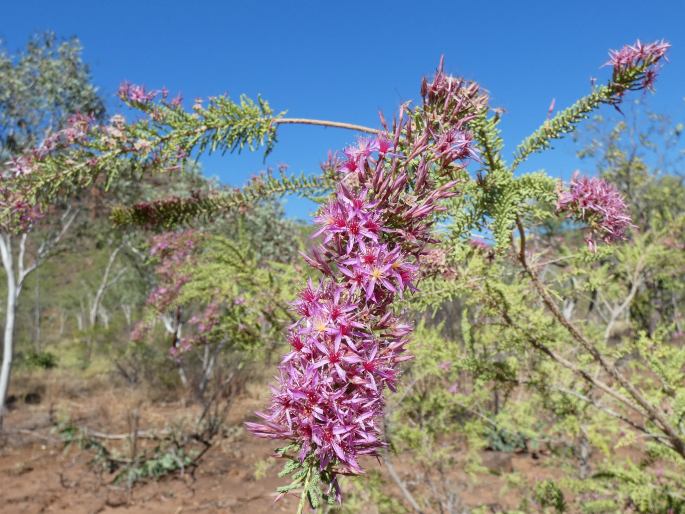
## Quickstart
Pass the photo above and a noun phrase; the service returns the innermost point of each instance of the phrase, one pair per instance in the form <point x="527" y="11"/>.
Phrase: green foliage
<point x="39" y="89"/>
<point x="566" y="121"/>
<point x="228" y="126"/>
<point x="313" y="482"/>
<point x="256" y="293"/>
<point x="369" y="493"/>
<point x="641" y="488"/>
<point x="497" y="198"/>
<point x="548" y="494"/>
<point x="500" y="200"/>
<point x="165" y="458"/>
<point x="496" y="368"/>
<point x="242" y="272"/>
<point x="198" y="207"/>
<point x="488" y="137"/>
<point x="162" y="463"/>
<point x="39" y="360"/>
<point x="562" y="123"/>
<point x="157" y="142"/>
<point x="501" y="440"/>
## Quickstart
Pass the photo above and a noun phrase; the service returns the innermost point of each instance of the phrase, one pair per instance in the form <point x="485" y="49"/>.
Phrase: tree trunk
<point x="126" y="309"/>
<point x="174" y="326"/>
<point x="584" y="453"/>
<point x="103" y="314"/>
<point x="95" y="308"/>
<point x="15" y="281"/>
<point x="36" y="316"/>
<point x="208" y="362"/>
<point x="62" y="322"/>
<point x="10" y="315"/>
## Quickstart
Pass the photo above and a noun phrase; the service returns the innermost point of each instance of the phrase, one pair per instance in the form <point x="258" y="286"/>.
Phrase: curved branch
<point x="676" y="439"/>
<point x="326" y="123"/>
<point x="571" y="366"/>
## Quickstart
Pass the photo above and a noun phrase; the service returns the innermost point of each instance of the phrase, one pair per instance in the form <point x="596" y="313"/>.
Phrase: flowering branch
<point x="349" y="336"/>
<point x="161" y="141"/>
<point x="348" y="343"/>
<point x="634" y="67"/>
<point x="173" y="211"/>
<point x="676" y="440"/>
<point x="598" y="204"/>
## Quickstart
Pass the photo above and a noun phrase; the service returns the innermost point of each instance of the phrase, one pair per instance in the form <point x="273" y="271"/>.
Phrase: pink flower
<point x="382" y="144"/>
<point x="457" y="98"/>
<point x="641" y="57"/>
<point x="479" y="244"/>
<point x="136" y="93"/>
<point x="21" y="166"/>
<point x="173" y="252"/>
<point x="455" y="144"/>
<point x="348" y="342"/>
<point x="599" y="204"/>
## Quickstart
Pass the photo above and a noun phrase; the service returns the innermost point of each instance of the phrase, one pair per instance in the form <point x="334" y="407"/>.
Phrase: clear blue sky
<point x="346" y="60"/>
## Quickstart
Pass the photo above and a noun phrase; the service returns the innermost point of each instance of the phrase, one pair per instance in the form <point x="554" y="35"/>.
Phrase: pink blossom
<point x="174" y="252"/>
<point x="136" y="93"/>
<point x="479" y="244"/>
<point x="599" y="204"/>
<point x="457" y="98"/>
<point x="639" y="56"/>
<point x="348" y="342"/>
<point x="21" y="166"/>
<point x="455" y="144"/>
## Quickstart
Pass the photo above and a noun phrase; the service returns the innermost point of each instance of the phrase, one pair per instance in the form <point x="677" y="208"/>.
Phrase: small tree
<point x="46" y="101"/>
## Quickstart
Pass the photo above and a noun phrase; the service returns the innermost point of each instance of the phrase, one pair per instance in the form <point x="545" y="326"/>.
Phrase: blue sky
<point x="347" y="60"/>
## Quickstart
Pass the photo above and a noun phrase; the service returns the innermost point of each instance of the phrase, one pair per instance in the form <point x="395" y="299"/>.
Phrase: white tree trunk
<point x="126" y="309"/>
<point x="173" y="325"/>
<point x="16" y="272"/>
<point x="103" y="314"/>
<point x="10" y="315"/>
<point x="208" y="364"/>
<point x="105" y="283"/>
<point x="36" y="316"/>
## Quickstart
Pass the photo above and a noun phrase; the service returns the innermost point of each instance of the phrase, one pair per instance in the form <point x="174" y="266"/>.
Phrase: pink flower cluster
<point x="75" y="131"/>
<point x="20" y="212"/>
<point x="453" y="96"/>
<point x="639" y="56"/>
<point x="478" y="243"/>
<point x="137" y="94"/>
<point x="173" y="250"/>
<point x="348" y="340"/>
<point x="599" y="204"/>
<point x="203" y="322"/>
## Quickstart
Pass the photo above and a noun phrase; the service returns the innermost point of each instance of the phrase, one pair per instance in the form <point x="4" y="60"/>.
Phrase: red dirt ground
<point x="39" y="475"/>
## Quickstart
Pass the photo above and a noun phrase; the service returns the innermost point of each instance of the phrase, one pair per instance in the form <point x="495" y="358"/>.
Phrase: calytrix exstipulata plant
<point x="389" y="191"/>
